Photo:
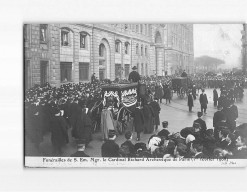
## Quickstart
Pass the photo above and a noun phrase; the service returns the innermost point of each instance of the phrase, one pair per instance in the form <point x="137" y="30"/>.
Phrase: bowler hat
<point x="199" y="114"/>
<point x="165" y="124"/>
<point x="134" y="68"/>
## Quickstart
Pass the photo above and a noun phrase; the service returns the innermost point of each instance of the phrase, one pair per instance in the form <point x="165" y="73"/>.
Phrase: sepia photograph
<point x="135" y="94"/>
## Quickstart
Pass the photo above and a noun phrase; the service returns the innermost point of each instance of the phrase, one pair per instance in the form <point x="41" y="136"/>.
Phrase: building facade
<point x="60" y="53"/>
<point x="244" y="48"/>
<point x="179" y="48"/>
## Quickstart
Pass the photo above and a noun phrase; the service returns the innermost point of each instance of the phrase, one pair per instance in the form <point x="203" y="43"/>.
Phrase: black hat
<point x="163" y="133"/>
<point x="165" y="124"/>
<point x="199" y="114"/>
<point x="111" y="133"/>
<point x="134" y="68"/>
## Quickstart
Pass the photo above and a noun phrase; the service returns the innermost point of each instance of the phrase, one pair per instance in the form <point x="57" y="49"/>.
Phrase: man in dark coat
<point x="222" y="100"/>
<point x="234" y="110"/>
<point x="215" y="97"/>
<point x="203" y="101"/>
<point x="197" y="149"/>
<point x="134" y="76"/>
<point x="148" y="114"/>
<point x="218" y="116"/>
<point x="59" y="133"/>
<point x="93" y="78"/>
<point x="33" y="125"/>
<point x="74" y="115"/>
<point x="128" y="144"/>
<point x="167" y="94"/>
<point x="194" y="92"/>
<point x="184" y="74"/>
<point x="156" y="108"/>
<point x="230" y="117"/>
<point x="83" y="127"/>
<point x="202" y="123"/>
<point x="80" y="149"/>
<point x="110" y="148"/>
<point x="190" y="101"/>
<point x="138" y="121"/>
<point x="164" y="133"/>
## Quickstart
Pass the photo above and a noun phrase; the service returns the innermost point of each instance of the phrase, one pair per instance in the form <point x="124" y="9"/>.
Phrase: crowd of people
<point x="56" y="110"/>
<point x="225" y="140"/>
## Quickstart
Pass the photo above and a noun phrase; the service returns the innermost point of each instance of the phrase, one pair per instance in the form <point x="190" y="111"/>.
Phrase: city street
<point x="176" y="113"/>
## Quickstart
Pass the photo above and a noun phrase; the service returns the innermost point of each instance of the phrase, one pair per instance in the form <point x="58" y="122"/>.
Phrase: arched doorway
<point x="104" y="60"/>
<point x="158" y="54"/>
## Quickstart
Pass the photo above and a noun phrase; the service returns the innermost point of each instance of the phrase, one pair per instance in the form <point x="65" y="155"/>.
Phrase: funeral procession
<point x="135" y="90"/>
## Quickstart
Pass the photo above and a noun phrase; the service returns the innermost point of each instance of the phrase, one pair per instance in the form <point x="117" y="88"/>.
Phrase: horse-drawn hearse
<point x="181" y="85"/>
<point x="121" y="99"/>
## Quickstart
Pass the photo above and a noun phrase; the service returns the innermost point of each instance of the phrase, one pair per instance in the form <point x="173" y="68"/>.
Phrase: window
<point x="83" y="71"/>
<point x="25" y="32"/>
<point x="137" y="49"/>
<point x="43" y="33"/>
<point x="83" y="40"/>
<point x="126" y="48"/>
<point x="28" y="76"/>
<point x="137" y="28"/>
<point x="65" y="71"/>
<point x="141" y="50"/>
<point x="43" y="72"/>
<point x="146" y="51"/>
<point x="146" y="69"/>
<point x="117" y="47"/>
<point x="142" y="71"/>
<point x="101" y="50"/>
<point x="117" y="70"/>
<point x="133" y="27"/>
<point x="137" y="67"/>
<point x="141" y="28"/>
<point x="126" y="70"/>
<point x="126" y="26"/>
<point x="64" y="37"/>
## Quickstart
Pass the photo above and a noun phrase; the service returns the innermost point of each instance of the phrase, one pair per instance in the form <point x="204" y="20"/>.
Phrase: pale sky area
<point x="221" y="41"/>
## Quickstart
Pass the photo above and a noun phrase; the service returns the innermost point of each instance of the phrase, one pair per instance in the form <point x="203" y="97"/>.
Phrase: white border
<point x="12" y="174"/>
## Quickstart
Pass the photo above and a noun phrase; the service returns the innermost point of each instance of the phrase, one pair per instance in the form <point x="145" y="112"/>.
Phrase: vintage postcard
<point x="135" y="95"/>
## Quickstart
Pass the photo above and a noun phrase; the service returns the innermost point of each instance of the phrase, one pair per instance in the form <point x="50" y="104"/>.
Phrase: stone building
<point x="244" y="48"/>
<point x="60" y="53"/>
<point x="179" y="48"/>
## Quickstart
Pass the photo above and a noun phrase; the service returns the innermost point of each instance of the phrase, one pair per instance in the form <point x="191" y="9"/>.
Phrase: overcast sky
<point x="222" y="41"/>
